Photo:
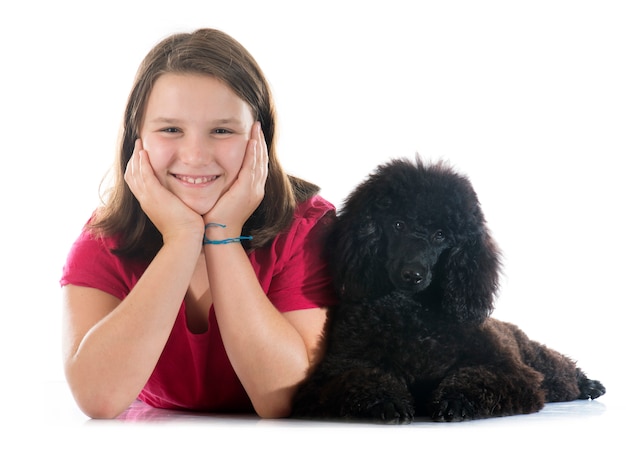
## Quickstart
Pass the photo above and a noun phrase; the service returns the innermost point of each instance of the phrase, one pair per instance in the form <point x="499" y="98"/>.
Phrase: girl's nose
<point x="195" y="151"/>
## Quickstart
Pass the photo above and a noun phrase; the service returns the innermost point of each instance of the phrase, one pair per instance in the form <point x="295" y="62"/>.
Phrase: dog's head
<point x="415" y="227"/>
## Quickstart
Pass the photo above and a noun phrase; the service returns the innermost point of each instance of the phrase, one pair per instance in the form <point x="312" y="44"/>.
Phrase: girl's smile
<point x="196" y="180"/>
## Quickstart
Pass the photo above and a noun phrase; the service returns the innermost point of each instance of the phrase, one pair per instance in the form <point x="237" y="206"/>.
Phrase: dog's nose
<point x="412" y="276"/>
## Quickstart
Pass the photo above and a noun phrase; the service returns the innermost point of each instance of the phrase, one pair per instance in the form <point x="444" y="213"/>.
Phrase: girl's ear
<point x="471" y="278"/>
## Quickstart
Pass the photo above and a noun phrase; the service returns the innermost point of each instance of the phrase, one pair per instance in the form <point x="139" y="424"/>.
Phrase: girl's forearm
<point x="109" y="364"/>
<point x="268" y="354"/>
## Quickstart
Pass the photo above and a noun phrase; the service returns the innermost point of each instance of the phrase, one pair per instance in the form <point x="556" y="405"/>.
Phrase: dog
<point x="416" y="270"/>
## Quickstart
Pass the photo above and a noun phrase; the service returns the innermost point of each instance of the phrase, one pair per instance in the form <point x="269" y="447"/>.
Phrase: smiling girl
<point x="201" y="283"/>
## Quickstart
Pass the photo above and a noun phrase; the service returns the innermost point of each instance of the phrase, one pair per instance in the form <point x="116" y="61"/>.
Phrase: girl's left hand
<point x="245" y="195"/>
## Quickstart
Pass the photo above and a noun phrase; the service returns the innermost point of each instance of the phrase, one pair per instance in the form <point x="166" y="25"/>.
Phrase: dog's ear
<point x="472" y="271"/>
<point x="382" y="203"/>
<point x="356" y="252"/>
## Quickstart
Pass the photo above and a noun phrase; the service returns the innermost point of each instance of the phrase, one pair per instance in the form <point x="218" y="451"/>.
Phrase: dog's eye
<point x="439" y="236"/>
<point x="399" y="225"/>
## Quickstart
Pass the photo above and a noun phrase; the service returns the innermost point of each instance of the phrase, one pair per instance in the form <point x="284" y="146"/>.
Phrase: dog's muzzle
<point x="412" y="277"/>
<point x="410" y="269"/>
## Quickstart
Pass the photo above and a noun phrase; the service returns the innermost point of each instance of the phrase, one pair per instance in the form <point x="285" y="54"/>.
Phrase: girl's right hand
<point x="173" y="218"/>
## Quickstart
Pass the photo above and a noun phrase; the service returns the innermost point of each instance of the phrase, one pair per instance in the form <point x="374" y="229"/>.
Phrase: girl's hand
<point x="238" y="203"/>
<point x="172" y="217"/>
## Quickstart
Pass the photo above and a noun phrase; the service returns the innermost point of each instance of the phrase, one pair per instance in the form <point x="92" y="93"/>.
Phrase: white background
<point x="528" y="98"/>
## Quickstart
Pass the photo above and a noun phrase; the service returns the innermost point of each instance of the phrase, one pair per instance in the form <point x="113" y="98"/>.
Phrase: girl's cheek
<point x="233" y="155"/>
<point x="159" y="152"/>
<point x="241" y="154"/>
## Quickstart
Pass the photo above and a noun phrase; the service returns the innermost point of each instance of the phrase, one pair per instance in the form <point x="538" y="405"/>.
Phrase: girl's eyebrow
<point x="232" y="120"/>
<point x="167" y="120"/>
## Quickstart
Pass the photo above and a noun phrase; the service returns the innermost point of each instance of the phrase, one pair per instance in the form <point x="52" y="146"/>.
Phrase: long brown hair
<point x="210" y="52"/>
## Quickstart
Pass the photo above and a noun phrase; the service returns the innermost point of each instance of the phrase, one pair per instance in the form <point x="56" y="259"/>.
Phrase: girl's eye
<point x="171" y="130"/>
<point x="221" y="131"/>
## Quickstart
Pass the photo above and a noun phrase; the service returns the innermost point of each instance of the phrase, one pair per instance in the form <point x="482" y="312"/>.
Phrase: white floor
<point x="594" y="425"/>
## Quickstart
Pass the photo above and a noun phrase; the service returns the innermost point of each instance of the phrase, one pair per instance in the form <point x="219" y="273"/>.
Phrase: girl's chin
<point x="203" y="211"/>
<point x="200" y="208"/>
<point x="199" y="203"/>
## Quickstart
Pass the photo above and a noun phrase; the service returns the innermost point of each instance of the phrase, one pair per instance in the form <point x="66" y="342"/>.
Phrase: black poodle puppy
<point x="417" y="271"/>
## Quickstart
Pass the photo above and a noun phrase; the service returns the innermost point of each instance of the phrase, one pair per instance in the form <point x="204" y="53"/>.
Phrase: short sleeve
<point x="293" y="271"/>
<point x="91" y="263"/>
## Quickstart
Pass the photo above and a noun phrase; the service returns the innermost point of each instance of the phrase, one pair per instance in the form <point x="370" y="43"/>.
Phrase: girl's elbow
<point x="97" y="400"/>
<point x="273" y="408"/>
<point x="274" y="413"/>
<point x="98" y="406"/>
<point x="100" y="409"/>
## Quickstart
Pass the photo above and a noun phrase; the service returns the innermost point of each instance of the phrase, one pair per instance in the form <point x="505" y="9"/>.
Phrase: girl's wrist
<point x="216" y="233"/>
<point x="189" y="243"/>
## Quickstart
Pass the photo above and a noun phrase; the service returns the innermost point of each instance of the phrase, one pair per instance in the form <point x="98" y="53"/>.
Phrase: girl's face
<point x="195" y="131"/>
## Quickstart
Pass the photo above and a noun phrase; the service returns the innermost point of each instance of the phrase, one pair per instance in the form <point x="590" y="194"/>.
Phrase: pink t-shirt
<point x="193" y="371"/>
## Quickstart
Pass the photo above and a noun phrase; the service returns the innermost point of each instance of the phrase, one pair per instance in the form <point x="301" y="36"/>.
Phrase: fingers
<point x="264" y="153"/>
<point x="131" y="175"/>
<point x="258" y="156"/>
<point x="259" y="165"/>
<point x="254" y="167"/>
<point x="139" y="173"/>
<point x="143" y="182"/>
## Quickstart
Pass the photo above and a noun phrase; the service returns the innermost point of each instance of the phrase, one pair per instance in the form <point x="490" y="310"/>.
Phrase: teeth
<point x="199" y="180"/>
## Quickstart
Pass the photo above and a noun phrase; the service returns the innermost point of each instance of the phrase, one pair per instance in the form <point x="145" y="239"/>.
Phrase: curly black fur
<point x="417" y="271"/>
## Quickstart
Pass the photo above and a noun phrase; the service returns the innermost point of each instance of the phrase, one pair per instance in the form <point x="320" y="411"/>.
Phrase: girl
<point x="200" y="283"/>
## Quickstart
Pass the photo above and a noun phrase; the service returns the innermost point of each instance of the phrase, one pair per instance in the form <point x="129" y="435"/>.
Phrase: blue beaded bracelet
<point x="207" y="241"/>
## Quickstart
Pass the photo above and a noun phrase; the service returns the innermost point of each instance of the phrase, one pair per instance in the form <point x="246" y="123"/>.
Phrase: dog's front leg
<point x="483" y="391"/>
<point x="365" y="394"/>
<point x="373" y="395"/>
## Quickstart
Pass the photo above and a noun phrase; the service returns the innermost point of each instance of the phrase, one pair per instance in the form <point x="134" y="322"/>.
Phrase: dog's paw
<point x="386" y="411"/>
<point x="391" y="413"/>
<point x="590" y="389"/>
<point x="454" y="409"/>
